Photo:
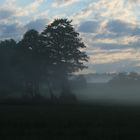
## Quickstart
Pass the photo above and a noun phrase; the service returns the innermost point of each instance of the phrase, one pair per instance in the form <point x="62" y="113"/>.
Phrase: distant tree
<point x="11" y="43"/>
<point x="134" y="76"/>
<point x="125" y="79"/>
<point x="65" y="48"/>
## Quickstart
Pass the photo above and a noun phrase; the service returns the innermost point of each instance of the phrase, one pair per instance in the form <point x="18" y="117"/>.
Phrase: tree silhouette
<point x="30" y="61"/>
<point x="124" y="78"/>
<point x="51" y="56"/>
<point x="64" y="46"/>
<point x="7" y="71"/>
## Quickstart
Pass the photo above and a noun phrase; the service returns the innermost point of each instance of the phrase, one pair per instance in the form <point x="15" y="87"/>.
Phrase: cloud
<point x="114" y="60"/>
<point x="119" y="66"/>
<point x="111" y="34"/>
<point x="62" y="3"/>
<point x="109" y="29"/>
<point x="10" y="31"/>
<point x="116" y="56"/>
<point x="15" y="30"/>
<point x="106" y="9"/>
<point x="27" y="10"/>
<point x="121" y="27"/>
<point x="88" y="27"/>
<point x="21" y="10"/>
<point x="86" y="11"/>
<point x="38" y="24"/>
<point x="116" y="47"/>
<point x="134" y="1"/>
<point x="5" y="14"/>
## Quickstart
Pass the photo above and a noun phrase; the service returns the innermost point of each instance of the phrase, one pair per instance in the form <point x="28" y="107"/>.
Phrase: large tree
<point x="65" y="50"/>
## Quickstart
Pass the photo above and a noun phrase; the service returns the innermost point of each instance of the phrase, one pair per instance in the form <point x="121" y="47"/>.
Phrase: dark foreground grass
<point x="69" y="122"/>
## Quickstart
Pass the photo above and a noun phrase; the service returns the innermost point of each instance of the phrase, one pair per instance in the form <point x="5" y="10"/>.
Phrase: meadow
<point x="83" y="120"/>
<point x="75" y="121"/>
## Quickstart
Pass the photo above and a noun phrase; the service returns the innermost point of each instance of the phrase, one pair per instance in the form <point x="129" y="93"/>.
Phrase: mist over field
<point x="98" y="88"/>
<point x="70" y="69"/>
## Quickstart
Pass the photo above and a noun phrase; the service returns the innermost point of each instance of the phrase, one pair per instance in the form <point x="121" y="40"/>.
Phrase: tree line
<point x="124" y="78"/>
<point x="50" y="57"/>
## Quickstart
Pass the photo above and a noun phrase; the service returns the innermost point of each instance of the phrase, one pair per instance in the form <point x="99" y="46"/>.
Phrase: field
<point x="95" y="118"/>
<point x="70" y="121"/>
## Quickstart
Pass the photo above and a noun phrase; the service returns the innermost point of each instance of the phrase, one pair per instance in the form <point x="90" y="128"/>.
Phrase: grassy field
<point x="107" y="113"/>
<point x="70" y="121"/>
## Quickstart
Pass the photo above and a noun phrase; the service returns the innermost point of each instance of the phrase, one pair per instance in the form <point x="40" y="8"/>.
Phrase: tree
<point x="11" y="43"/>
<point x="134" y="76"/>
<point x="8" y="80"/>
<point x="30" y="61"/>
<point x="65" y="50"/>
<point x="123" y="78"/>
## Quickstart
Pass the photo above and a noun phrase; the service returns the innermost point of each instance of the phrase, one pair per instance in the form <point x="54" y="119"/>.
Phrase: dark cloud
<point x="15" y="31"/>
<point x="106" y="35"/>
<point x="118" y="26"/>
<point x="4" y="14"/>
<point x="122" y="28"/>
<point x="38" y="24"/>
<point x="10" y="31"/>
<point x="88" y="27"/>
<point x="114" y="28"/>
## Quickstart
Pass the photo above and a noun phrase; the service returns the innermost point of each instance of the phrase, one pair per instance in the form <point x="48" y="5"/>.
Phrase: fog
<point x="104" y="88"/>
<point x="99" y="95"/>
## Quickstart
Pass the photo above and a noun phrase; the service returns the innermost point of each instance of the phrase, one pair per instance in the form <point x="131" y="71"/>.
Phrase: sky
<point x="109" y="28"/>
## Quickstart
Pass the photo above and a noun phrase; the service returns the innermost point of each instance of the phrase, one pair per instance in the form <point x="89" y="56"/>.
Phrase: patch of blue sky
<point x="2" y="2"/>
<point x="137" y="12"/>
<point x="46" y="5"/>
<point x="69" y="11"/>
<point x="126" y="2"/>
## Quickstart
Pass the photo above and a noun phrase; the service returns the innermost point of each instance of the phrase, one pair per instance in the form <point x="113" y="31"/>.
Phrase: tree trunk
<point x="36" y="88"/>
<point x="50" y="88"/>
<point x="29" y="88"/>
<point x="66" y="94"/>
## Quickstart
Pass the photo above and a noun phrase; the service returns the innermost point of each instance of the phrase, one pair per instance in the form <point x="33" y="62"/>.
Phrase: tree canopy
<point x="64" y="45"/>
<point x="50" y="55"/>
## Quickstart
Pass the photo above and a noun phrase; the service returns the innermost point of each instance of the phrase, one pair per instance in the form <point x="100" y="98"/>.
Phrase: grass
<point x="99" y="120"/>
<point x="70" y="121"/>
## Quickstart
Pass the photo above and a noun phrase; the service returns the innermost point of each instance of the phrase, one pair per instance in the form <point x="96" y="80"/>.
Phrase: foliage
<point x="8" y="81"/>
<point x="64" y="45"/>
<point x="50" y="56"/>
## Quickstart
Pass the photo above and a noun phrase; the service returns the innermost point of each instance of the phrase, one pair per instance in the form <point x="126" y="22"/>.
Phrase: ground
<point x="70" y="121"/>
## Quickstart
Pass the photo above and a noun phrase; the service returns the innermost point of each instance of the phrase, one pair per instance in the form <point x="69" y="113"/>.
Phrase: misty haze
<point x="70" y="69"/>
